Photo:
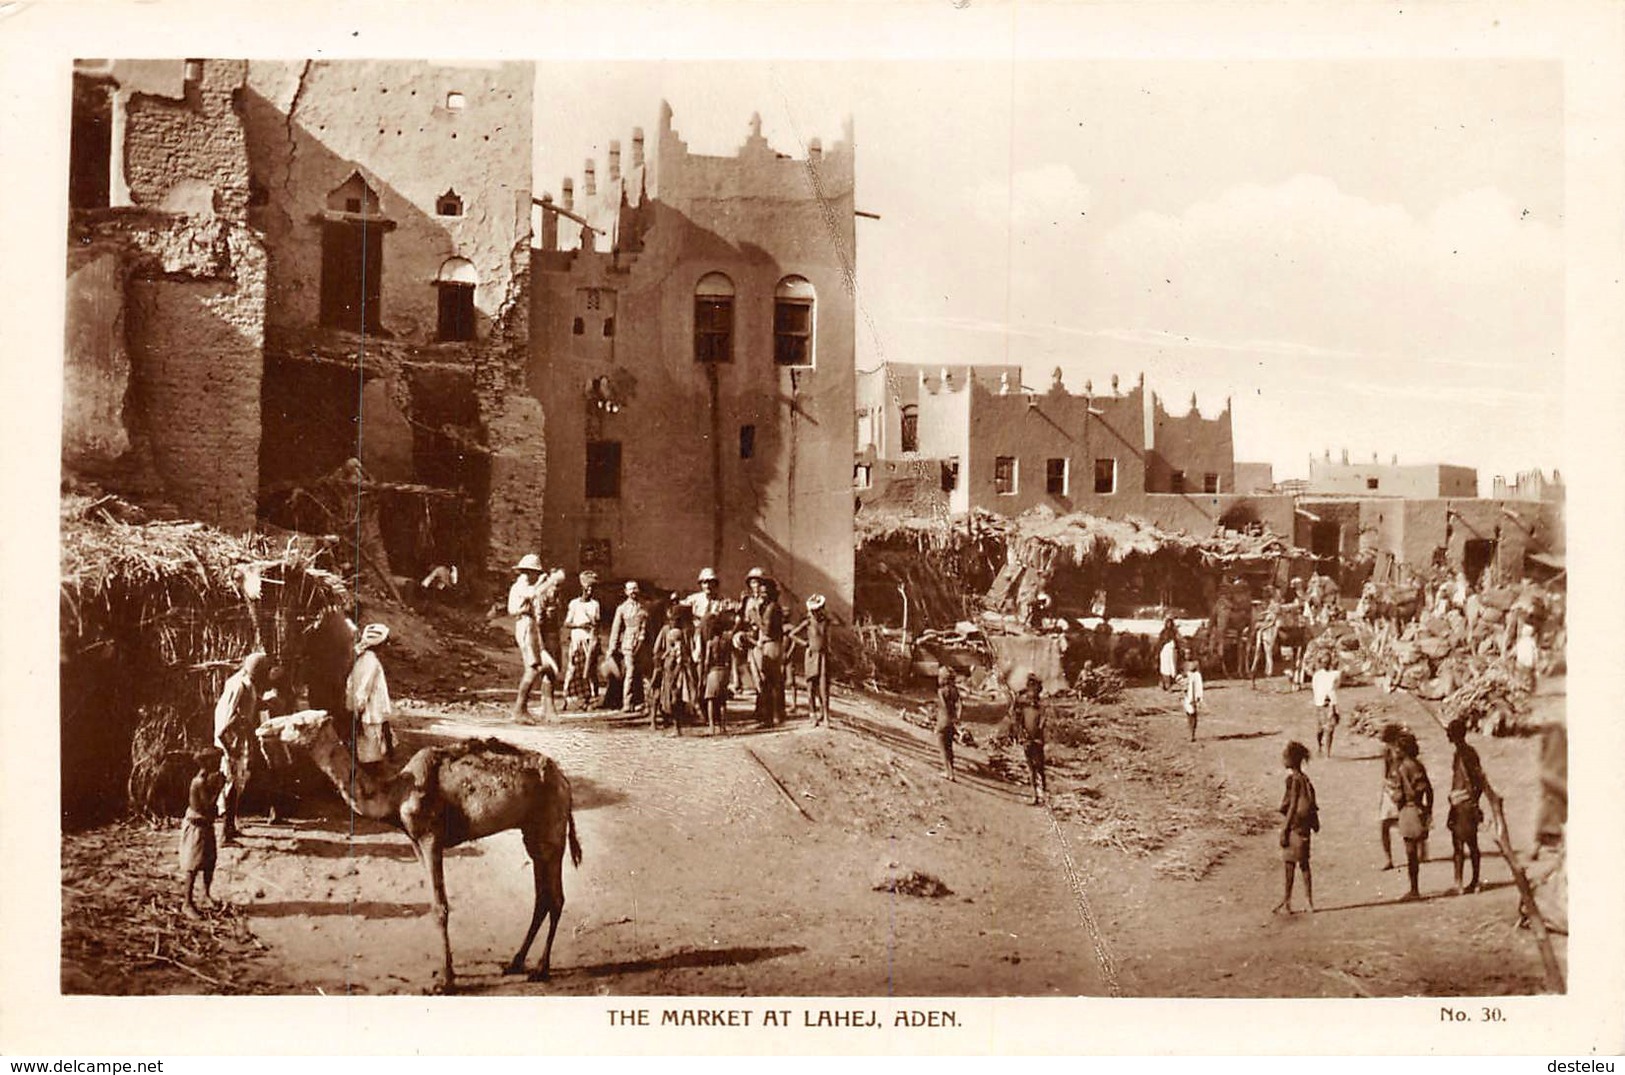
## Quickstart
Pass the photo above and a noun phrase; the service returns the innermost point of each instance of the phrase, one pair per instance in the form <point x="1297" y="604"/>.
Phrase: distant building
<point x="1255" y="478"/>
<point x="1004" y="448"/>
<point x="1529" y="485"/>
<point x="693" y="335"/>
<point x="1343" y="478"/>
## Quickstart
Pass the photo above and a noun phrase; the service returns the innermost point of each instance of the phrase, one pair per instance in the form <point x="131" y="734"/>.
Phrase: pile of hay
<point x="154" y="616"/>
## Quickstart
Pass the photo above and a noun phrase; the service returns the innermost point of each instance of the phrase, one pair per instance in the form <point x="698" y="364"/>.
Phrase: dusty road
<point x="701" y="878"/>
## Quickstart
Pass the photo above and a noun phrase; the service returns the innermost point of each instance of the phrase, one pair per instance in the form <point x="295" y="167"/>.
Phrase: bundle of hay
<point x="155" y="615"/>
<point x="1493" y="699"/>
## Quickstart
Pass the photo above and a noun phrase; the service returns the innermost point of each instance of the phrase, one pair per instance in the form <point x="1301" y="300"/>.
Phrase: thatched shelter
<point x="154" y="616"/>
<point x="942" y="567"/>
<point x="1074" y="557"/>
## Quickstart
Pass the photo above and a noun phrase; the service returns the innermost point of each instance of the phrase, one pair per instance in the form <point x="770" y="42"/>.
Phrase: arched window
<point x="714" y="319"/>
<point x="456" y="283"/>
<point x="793" y="322"/>
<point x="449" y="204"/>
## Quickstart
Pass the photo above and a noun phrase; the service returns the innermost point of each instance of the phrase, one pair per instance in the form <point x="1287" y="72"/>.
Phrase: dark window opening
<point x="1055" y="474"/>
<point x="713" y="328"/>
<point x="1176" y="481"/>
<point x="352" y="205"/>
<point x="911" y="429"/>
<point x="1004" y="475"/>
<point x="578" y="327"/>
<point x="609" y="327"/>
<point x="1371" y="483"/>
<point x="1105" y="475"/>
<point x="1477" y="554"/>
<point x="456" y="311"/>
<point x="593" y="554"/>
<point x="950" y="474"/>
<point x="449" y="204"/>
<point x="90" y="147"/>
<point x="792" y="332"/>
<point x="747" y="441"/>
<point x="352" y="276"/>
<point x="1326" y="539"/>
<point x="1210" y="482"/>
<point x="603" y="469"/>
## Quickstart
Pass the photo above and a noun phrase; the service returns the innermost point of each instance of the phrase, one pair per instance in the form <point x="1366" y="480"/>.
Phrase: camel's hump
<point x="465" y="747"/>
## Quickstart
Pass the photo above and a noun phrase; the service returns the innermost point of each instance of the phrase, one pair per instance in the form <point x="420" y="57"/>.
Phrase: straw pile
<point x="154" y="616"/>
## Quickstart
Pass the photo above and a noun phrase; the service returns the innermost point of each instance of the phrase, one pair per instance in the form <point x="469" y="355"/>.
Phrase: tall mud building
<point x="277" y="267"/>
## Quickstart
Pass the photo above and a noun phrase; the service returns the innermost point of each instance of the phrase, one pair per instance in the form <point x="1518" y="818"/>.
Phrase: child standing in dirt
<point x="198" y="850"/>
<point x="1327" y="676"/>
<point x="1300" y="819"/>
<point x="1193" y="694"/>
<point x="1029" y="729"/>
<point x="1415" y="808"/>
<point x="1466" y="786"/>
<point x="948" y="703"/>
<point x="716" y="659"/>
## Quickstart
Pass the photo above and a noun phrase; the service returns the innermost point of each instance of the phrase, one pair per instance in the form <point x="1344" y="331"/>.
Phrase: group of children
<point x="1406" y="803"/>
<point x="1026" y="723"/>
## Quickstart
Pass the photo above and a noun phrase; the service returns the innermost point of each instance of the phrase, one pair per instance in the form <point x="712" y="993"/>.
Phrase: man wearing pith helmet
<point x="707" y="601"/>
<point x="524" y="600"/>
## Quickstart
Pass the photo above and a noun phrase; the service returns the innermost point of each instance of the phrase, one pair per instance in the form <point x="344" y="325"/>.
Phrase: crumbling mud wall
<point x="166" y="310"/>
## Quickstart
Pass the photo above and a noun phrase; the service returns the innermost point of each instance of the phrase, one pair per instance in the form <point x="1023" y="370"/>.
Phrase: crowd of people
<point x="680" y="658"/>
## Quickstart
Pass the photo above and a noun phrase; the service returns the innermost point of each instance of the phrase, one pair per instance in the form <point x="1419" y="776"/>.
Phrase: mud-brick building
<point x="166" y="289"/>
<point x="692" y="335"/>
<point x="279" y="266"/>
<point x="1118" y="454"/>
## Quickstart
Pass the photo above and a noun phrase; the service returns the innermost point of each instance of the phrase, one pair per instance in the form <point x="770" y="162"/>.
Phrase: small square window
<point x="1371" y="483"/>
<point x="578" y="327"/>
<point x="455" y="101"/>
<point x="1105" y="476"/>
<point x="1210" y="482"/>
<point x="1176" y="482"/>
<point x="1055" y="477"/>
<point x="747" y="441"/>
<point x="1004" y="475"/>
<point x="449" y="204"/>
<point x="603" y="469"/>
<point x="352" y="205"/>
<point x="862" y="476"/>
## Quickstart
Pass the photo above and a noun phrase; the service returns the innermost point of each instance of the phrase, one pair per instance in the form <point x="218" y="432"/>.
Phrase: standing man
<point x="628" y="634"/>
<point x="581" y="619"/>
<point x="367" y="694"/>
<point x="765" y="618"/>
<point x="236" y="717"/>
<point x="525" y="598"/>
<point x="1466" y="786"/>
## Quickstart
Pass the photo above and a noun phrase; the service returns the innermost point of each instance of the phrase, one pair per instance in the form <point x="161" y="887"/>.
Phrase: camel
<point x="445" y="796"/>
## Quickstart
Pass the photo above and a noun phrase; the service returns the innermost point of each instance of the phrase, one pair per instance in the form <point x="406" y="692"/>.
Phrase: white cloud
<point x="1042" y="197"/>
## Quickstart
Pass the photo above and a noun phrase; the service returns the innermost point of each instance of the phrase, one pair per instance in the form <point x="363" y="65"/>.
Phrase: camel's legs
<point x="554" y="874"/>
<point x="538" y="864"/>
<point x="434" y="858"/>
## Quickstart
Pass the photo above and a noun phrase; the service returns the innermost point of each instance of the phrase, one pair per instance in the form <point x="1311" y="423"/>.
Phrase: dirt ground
<point x="1153" y="875"/>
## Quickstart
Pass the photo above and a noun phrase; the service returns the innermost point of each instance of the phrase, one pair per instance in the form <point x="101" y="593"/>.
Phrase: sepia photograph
<point x="904" y="529"/>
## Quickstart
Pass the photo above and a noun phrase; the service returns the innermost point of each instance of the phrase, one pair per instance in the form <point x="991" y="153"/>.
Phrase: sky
<point x="1363" y="255"/>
